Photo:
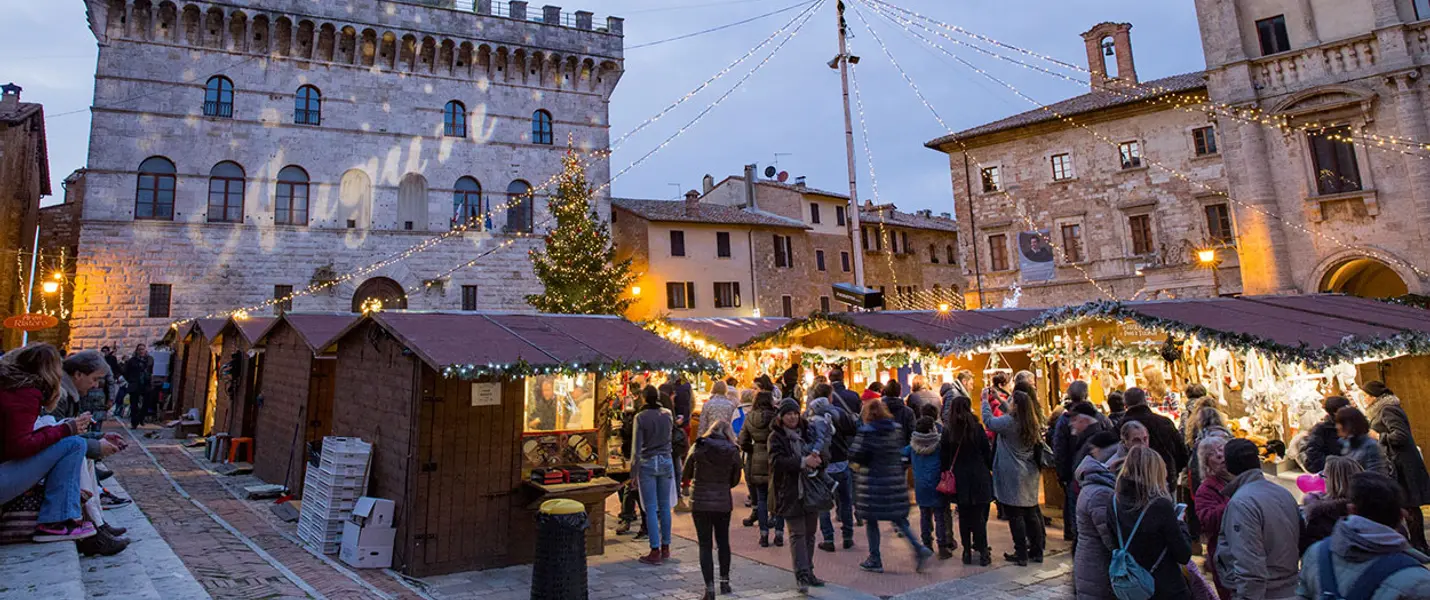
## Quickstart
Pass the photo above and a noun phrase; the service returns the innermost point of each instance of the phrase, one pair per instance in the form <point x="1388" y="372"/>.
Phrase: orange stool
<point x="235" y="443"/>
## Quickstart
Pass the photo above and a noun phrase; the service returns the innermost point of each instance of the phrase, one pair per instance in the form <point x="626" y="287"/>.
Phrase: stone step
<point x="50" y="570"/>
<point x="147" y="570"/>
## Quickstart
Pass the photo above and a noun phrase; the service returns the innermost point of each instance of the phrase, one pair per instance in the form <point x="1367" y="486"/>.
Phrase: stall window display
<point x="560" y="403"/>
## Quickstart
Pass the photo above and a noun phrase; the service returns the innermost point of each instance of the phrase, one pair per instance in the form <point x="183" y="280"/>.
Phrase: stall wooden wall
<point x="374" y="399"/>
<point x="287" y="366"/>
<point x="198" y="359"/>
<point x="1409" y="378"/>
<point x="470" y="511"/>
<point x="233" y="413"/>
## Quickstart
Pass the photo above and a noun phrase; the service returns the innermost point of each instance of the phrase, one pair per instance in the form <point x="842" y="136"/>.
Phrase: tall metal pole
<point x="854" y="230"/>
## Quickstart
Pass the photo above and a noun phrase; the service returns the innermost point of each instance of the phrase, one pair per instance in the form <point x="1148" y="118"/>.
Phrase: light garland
<point x="885" y="236"/>
<point x="1146" y="160"/>
<point x="1245" y="114"/>
<point x="1028" y="220"/>
<point x="1349" y="349"/>
<point x="521" y="368"/>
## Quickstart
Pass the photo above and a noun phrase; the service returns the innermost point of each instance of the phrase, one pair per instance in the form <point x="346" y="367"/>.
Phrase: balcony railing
<point x="532" y="12"/>
<point x="1326" y="63"/>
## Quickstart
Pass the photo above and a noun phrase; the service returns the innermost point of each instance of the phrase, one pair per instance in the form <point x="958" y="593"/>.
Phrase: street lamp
<point x="636" y="290"/>
<point x="50" y="287"/>
<point x="1208" y="258"/>
<point x="944" y="307"/>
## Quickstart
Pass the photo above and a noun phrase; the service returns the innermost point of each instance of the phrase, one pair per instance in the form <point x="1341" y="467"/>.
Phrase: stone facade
<point x="24" y="179"/>
<point x="924" y="272"/>
<point x="384" y="163"/>
<point x="1351" y="217"/>
<point x="1034" y="171"/>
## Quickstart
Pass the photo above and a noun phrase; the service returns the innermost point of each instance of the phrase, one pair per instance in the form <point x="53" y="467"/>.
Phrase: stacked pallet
<point x="331" y="490"/>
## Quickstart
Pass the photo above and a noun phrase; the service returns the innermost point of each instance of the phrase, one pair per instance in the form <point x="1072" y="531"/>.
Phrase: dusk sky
<point x="790" y="107"/>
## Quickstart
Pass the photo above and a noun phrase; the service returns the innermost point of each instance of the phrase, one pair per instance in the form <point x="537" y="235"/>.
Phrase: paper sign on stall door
<point x="486" y="394"/>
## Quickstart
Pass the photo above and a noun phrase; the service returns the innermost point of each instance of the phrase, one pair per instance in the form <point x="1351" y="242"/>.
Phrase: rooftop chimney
<point x="11" y="97"/>
<point x="799" y="182"/>
<point x="750" y="186"/>
<point x="1110" y="40"/>
<point x="692" y="203"/>
<point x="707" y="184"/>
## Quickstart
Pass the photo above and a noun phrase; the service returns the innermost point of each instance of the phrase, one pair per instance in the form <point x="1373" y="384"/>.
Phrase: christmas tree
<point x="578" y="266"/>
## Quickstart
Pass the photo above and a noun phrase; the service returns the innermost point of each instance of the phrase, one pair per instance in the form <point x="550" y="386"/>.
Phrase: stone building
<point x="1083" y="201"/>
<point x="244" y="150"/>
<point x="24" y="179"/>
<point x="913" y="258"/>
<point x="795" y="275"/>
<point x="696" y="259"/>
<point x="1337" y="198"/>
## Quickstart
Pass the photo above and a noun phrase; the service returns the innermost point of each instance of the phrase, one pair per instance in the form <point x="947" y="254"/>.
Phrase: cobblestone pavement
<point x="258" y="557"/>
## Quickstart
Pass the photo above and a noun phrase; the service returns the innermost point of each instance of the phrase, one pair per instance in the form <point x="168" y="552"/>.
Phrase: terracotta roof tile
<point x="1086" y="103"/>
<point x="673" y="211"/>
<point x="912" y="221"/>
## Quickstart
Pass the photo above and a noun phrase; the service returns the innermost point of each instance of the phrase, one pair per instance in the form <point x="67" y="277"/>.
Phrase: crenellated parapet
<point x="465" y="39"/>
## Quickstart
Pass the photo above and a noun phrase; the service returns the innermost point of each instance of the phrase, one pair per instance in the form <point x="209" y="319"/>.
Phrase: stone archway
<point x="387" y="291"/>
<point x="1364" y="277"/>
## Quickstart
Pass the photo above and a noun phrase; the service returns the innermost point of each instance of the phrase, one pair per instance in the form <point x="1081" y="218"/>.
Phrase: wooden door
<point x="320" y="399"/>
<point x="250" y="388"/>
<point x="469" y="476"/>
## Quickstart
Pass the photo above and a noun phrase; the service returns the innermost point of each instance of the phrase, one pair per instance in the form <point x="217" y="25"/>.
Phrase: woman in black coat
<point x="965" y="449"/>
<point x="791" y="458"/>
<point x="1323" y="440"/>
<point x="1390" y="422"/>
<point x="1160" y="543"/>
<point x="715" y="467"/>
<point x="883" y="493"/>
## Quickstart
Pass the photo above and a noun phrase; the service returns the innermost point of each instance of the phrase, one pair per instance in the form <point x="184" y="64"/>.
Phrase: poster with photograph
<point x="1035" y="256"/>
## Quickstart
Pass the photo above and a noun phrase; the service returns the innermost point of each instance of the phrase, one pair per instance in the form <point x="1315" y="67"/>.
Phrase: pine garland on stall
<point x="579" y="267"/>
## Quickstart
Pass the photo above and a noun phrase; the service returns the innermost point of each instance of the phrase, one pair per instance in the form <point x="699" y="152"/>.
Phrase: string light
<point x="924" y="100"/>
<point x="1171" y="171"/>
<point x="1140" y="91"/>
<point x="873" y="177"/>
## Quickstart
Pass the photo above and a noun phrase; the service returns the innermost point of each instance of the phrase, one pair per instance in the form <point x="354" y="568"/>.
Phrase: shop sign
<point x="486" y="394"/>
<point x="861" y="297"/>
<point x="31" y="322"/>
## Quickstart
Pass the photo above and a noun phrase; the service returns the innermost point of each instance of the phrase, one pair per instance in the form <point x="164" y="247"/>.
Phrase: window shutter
<point x="690" y="294"/>
<point x="737" y="294"/>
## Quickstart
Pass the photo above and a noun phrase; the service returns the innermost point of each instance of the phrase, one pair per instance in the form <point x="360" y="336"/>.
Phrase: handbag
<point x="947" y="483"/>
<point x="1043" y="455"/>
<point x="817" y="491"/>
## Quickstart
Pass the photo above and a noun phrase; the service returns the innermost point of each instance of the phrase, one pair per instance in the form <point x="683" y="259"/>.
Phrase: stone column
<point x="484" y="7"/>
<point x="584" y="19"/>
<point x="616" y="25"/>
<point x="518" y="10"/>
<point x="1410" y="112"/>
<point x="1262" y="242"/>
<point x="551" y="15"/>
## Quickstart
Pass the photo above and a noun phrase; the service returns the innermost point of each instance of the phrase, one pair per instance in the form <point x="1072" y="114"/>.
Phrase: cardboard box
<point x="367" y="547"/>
<point x="373" y="512"/>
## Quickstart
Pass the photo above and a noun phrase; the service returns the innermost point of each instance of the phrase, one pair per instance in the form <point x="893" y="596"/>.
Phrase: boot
<point x="665" y="552"/>
<point x="1018" y="558"/>
<point x="114" y="531"/>
<point x="681" y="506"/>
<point x="801" y="584"/>
<point x="749" y="521"/>
<point x="945" y="553"/>
<point x="812" y="580"/>
<point x="101" y="544"/>
<point x="709" y="592"/>
<point x="653" y="558"/>
<point x="764" y="539"/>
<point x="826" y="546"/>
<point x="985" y="557"/>
<point x="725" y="585"/>
<point x="624" y="528"/>
<point x="967" y="555"/>
<point x="780" y="539"/>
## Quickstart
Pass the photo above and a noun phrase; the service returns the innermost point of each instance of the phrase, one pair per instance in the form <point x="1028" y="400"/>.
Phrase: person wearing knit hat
<point x="788" y="405"/>
<point x="792" y="458"/>
<point x="1392" y="427"/>
<point x="1258" y="550"/>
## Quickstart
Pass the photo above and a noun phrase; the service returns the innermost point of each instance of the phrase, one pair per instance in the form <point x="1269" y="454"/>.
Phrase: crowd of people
<point x="1144" y="493"/>
<point x="51" y="444"/>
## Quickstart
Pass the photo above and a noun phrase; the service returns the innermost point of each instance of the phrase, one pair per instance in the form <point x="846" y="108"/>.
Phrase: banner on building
<point x="1035" y="256"/>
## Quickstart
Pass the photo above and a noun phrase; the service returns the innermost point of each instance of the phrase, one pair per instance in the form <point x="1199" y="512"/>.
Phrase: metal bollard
<point x="560" y="569"/>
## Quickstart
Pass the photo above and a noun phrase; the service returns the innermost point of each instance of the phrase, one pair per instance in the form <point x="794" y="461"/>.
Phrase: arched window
<point x="154" y="193"/>
<point x="454" y="120"/>
<point x="952" y="258"/>
<point x="933" y="254"/>
<point x="467" y="203"/>
<point x="218" y="97"/>
<point x="518" y="209"/>
<point x="541" y="128"/>
<point x="308" y="106"/>
<point x="412" y="203"/>
<point x="226" y="193"/>
<point x="292" y="197"/>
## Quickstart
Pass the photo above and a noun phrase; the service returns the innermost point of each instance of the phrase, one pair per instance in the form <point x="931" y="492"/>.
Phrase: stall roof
<point x="504" y="343"/>
<point x="731" y="332"/>
<point x="253" y="328"/>
<point x="319" y="330"/>
<point x="209" y="328"/>
<point x="1311" y="328"/>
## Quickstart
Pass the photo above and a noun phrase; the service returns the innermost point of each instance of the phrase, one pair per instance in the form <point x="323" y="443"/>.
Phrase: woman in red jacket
<point x="29" y="381"/>
<point x="1210" y="503"/>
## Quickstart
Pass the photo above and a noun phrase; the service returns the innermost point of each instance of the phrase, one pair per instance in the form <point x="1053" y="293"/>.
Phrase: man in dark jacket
<point x="1323" y="440"/>
<point x="138" y="371"/>
<point x="1063" y="451"/>
<point x="844" y="397"/>
<point x="1161" y="432"/>
<point x="903" y="415"/>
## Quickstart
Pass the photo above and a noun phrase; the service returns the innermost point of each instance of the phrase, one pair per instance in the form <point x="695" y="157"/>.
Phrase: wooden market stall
<point x="1270" y="360"/>
<point x="461" y="408"/>
<point x="197" y="367"/>
<point x="295" y="393"/>
<point x="235" y="399"/>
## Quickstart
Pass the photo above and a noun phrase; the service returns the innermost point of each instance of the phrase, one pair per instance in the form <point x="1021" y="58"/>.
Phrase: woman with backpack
<point x="1017" y="477"/>
<point x="1152" y="537"/>
<point x="966" y="452"/>
<point x="754" y="440"/>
